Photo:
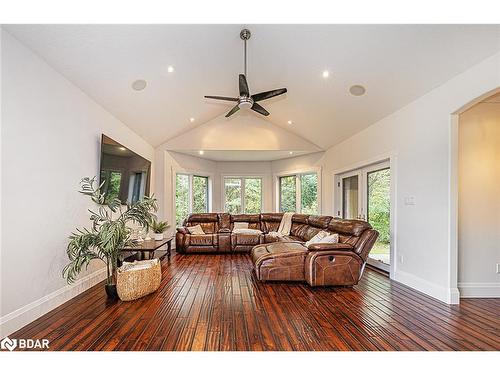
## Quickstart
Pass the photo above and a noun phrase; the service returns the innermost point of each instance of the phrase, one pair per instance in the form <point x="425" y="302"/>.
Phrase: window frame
<point x="298" y="198"/>
<point x="242" y="179"/>
<point x="190" y="175"/>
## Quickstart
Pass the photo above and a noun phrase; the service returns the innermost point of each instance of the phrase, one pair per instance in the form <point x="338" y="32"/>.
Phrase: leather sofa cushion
<point x="252" y="220"/>
<point x="348" y="227"/>
<point x="300" y="218"/>
<point x="245" y="239"/>
<point x="270" y="222"/>
<point x="277" y="249"/>
<point x="204" y="218"/>
<point x="202" y="240"/>
<point x="290" y="239"/>
<point x="319" y="221"/>
<point x="209" y="222"/>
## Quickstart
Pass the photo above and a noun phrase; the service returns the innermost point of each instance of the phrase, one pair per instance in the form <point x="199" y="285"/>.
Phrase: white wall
<point x="420" y="135"/>
<point x="50" y="140"/>
<point x="479" y="201"/>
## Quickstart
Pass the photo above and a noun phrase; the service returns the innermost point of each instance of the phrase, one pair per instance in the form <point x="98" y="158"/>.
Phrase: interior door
<point x="365" y="194"/>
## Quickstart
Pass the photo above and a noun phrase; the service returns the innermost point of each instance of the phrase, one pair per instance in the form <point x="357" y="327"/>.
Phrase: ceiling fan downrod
<point x="245" y="34"/>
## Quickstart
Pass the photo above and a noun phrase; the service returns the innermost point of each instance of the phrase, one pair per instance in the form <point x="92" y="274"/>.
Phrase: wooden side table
<point x="150" y="246"/>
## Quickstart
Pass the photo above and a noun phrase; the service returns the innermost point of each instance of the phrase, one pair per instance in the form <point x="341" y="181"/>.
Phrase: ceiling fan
<point x="245" y="100"/>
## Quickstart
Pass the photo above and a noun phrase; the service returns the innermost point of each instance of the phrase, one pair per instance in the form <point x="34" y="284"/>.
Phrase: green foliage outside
<point x="253" y="195"/>
<point x="181" y="198"/>
<point x="379" y="184"/>
<point x="287" y="194"/>
<point x="309" y="194"/>
<point x="232" y="195"/>
<point x="200" y="194"/>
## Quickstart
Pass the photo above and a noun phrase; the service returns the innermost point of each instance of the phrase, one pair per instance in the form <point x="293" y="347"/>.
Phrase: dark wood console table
<point x="150" y="246"/>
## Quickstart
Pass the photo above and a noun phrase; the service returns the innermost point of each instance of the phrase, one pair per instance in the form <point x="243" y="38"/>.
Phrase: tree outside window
<point x="242" y="195"/>
<point x="299" y="193"/>
<point x="191" y="196"/>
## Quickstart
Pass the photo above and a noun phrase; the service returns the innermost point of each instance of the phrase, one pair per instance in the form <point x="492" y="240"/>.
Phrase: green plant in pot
<point x="159" y="227"/>
<point x="108" y="234"/>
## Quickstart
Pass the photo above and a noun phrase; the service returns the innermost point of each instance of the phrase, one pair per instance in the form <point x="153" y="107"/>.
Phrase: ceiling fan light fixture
<point x="245" y="103"/>
<point x="244" y="99"/>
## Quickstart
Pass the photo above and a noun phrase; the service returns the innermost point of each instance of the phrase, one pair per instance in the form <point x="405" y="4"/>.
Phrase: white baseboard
<point x="19" y="318"/>
<point x="479" y="290"/>
<point x="447" y="295"/>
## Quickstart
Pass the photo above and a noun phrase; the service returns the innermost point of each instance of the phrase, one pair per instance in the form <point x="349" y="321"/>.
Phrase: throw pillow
<point x="317" y="238"/>
<point x="240" y="225"/>
<point x="197" y="229"/>
<point x="247" y="231"/>
<point x="332" y="238"/>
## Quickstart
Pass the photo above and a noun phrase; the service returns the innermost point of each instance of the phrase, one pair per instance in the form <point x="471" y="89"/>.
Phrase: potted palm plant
<point x="108" y="234"/>
<point x="159" y="227"/>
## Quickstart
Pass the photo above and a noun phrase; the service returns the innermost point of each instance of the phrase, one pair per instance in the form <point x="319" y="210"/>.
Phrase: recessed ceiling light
<point x="357" y="90"/>
<point x="326" y="74"/>
<point x="170" y="69"/>
<point x="122" y="148"/>
<point x="139" y="85"/>
<point x="291" y="152"/>
<point x="201" y="152"/>
<point x="191" y="119"/>
<point x="290" y="122"/>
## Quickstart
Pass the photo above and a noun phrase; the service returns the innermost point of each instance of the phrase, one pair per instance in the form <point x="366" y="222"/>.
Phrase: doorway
<point x="365" y="194"/>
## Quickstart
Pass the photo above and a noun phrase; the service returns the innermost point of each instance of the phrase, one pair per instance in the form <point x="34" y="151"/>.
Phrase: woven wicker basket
<point x="138" y="279"/>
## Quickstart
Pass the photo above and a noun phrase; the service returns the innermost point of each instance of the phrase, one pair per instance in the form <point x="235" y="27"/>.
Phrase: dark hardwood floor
<point x="214" y="302"/>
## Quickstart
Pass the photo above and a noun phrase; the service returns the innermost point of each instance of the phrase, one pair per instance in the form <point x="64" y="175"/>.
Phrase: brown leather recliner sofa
<point x="286" y="258"/>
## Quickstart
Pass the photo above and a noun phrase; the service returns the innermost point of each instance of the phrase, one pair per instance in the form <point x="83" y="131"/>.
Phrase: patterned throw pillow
<point x="197" y="229"/>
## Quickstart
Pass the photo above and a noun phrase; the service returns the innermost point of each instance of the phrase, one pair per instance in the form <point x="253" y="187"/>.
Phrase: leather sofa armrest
<point x="330" y="246"/>
<point x="182" y="230"/>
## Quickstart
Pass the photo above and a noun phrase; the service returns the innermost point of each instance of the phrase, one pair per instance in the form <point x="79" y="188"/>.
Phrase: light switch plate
<point x="410" y="200"/>
<point x="498" y="267"/>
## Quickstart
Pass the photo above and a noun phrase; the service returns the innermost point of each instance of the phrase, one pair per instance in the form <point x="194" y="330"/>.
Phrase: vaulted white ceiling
<point x="396" y="64"/>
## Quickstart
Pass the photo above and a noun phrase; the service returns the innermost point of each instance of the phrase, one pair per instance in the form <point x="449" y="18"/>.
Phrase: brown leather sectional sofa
<point x="286" y="258"/>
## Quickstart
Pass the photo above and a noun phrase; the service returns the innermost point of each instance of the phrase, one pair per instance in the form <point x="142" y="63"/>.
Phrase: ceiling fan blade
<point x="243" y="86"/>
<point x="258" y="108"/>
<point x="268" y="94"/>
<point x="232" y="111"/>
<point x="221" y="98"/>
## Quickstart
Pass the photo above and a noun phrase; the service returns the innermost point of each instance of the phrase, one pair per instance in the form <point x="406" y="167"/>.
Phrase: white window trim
<point x="242" y="193"/>
<point x="297" y="173"/>
<point x="191" y="173"/>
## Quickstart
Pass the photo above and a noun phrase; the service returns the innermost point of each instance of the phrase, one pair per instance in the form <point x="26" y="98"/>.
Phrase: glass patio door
<point x="365" y="194"/>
